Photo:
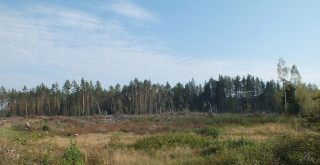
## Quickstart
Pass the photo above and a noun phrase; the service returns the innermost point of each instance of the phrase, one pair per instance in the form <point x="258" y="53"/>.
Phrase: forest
<point x="246" y="94"/>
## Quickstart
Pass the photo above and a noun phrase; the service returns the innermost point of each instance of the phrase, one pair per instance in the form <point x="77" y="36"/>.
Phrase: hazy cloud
<point x="131" y="10"/>
<point x="41" y="44"/>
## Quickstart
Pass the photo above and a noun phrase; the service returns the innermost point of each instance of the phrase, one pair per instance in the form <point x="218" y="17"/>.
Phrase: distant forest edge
<point x="245" y="94"/>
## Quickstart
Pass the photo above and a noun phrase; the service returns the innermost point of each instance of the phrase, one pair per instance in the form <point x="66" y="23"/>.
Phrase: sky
<point x="116" y="41"/>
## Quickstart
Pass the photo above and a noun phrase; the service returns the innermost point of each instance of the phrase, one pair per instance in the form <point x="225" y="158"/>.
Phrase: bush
<point x="259" y="153"/>
<point x="72" y="155"/>
<point x="313" y="118"/>
<point x="170" y="141"/>
<point x="209" y="131"/>
<point x="114" y="143"/>
<point x="214" y="148"/>
<point x="259" y="113"/>
<point x="238" y="143"/>
<point x="241" y="151"/>
<point x="47" y="158"/>
<point x="298" y="150"/>
<point x="45" y="128"/>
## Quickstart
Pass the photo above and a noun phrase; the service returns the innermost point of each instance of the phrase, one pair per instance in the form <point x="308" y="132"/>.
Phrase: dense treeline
<point x="227" y="94"/>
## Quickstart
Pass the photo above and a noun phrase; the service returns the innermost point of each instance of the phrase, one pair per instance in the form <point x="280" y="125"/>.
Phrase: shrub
<point x="214" y="148"/>
<point x="72" y="155"/>
<point x="245" y="122"/>
<point x="259" y="113"/>
<point x="114" y="142"/>
<point x="45" y="128"/>
<point x="47" y="158"/>
<point x="238" y="143"/>
<point x="209" y="131"/>
<point x="170" y="141"/>
<point x="298" y="150"/>
<point x="45" y="120"/>
<point x="25" y="137"/>
<point x="241" y="151"/>
<point x="313" y="118"/>
<point x="180" y="130"/>
<point x="260" y="153"/>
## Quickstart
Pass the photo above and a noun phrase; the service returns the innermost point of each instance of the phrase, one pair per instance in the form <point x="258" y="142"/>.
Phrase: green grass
<point x="231" y="119"/>
<point x="209" y="131"/>
<point x="7" y="133"/>
<point x="163" y="141"/>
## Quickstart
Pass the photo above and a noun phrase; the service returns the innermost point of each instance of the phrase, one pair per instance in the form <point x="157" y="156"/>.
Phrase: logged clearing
<point x="178" y="138"/>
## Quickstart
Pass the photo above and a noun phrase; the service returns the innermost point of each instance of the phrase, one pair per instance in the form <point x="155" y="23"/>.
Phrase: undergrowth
<point x="163" y="141"/>
<point x="209" y="131"/>
<point x="302" y="149"/>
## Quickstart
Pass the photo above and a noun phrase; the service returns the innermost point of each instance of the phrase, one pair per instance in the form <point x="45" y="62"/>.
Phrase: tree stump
<point x="28" y="126"/>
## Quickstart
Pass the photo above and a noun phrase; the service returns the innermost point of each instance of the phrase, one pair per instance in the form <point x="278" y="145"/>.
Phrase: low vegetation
<point x="178" y="138"/>
<point x="170" y="141"/>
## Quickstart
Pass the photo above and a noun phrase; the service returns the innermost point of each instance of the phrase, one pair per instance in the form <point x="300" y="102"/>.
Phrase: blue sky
<point x="115" y="41"/>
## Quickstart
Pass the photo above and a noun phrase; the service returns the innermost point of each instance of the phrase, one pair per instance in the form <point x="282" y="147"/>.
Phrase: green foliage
<point x="212" y="149"/>
<point x="230" y="119"/>
<point x="222" y="96"/>
<point x="209" y="131"/>
<point x="313" y="117"/>
<point x="245" y="122"/>
<point x="21" y="140"/>
<point x="238" y="143"/>
<point x="47" y="158"/>
<point x="170" y="141"/>
<point x="293" y="106"/>
<point x="259" y="153"/>
<point x="45" y="120"/>
<point x="72" y="155"/>
<point x="298" y="150"/>
<point x="7" y="133"/>
<point x="259" y="114"/>
<point x="180" y="130"/>
<point x="241" y="151"/>
<point x="45" y="128"/>
<point x="114" y="142"/>
<point x="25" y="137"/>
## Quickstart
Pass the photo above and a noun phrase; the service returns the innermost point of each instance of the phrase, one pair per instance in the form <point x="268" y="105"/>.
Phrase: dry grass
<point x="262" y="132"/>
<point x="177" y="155"/>
<point x="91" y="140"/>
<point x="93" y="147"/>
<point x="95" y="133"/>
<point x="258" y="132"/>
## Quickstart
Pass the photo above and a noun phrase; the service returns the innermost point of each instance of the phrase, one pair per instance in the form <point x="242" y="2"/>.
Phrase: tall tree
<point x="83" y="92"/>
<point x="66" y="92"/>
<point x="295" y="75"/>
<point x="293" y="105"/>
<point x="25" y="99"/>
<point x="3" y="98"/>
<point x="98" y="95"/>
<point x="282" y="71"/>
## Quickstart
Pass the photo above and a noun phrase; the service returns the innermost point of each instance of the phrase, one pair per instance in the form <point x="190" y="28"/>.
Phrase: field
<point x="179" y="138"/>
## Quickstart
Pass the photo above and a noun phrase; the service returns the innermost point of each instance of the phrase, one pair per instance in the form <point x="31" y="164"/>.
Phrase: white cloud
<point x="131" y="10"/>
<point x="54" y="44"/>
